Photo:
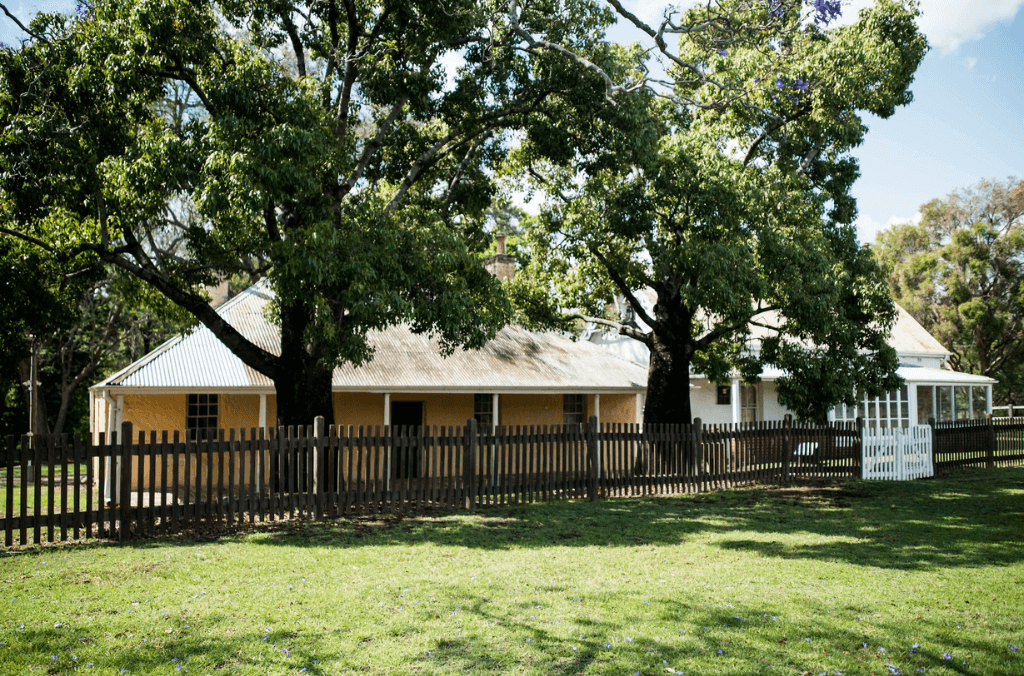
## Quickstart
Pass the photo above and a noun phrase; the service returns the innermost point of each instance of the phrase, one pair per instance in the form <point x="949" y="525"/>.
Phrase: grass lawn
<point x="843" y="579"/>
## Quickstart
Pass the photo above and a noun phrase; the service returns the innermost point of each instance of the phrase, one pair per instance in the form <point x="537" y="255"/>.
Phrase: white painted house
<point x="931" y="389"/>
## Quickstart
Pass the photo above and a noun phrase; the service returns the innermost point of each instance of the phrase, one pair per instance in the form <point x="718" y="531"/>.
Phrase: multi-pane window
<point x="951" y="402"/>
<point x="572" y="409"/>
<point x="892" y="409"/>
<point x="202" y="416"/>
<point x="944" y="403"/>
<point x="483" y="410"/>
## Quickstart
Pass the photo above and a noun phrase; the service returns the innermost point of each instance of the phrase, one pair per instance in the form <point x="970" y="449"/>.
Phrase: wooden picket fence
<point x="128" y="485"/>
<point x="990" y="442"/>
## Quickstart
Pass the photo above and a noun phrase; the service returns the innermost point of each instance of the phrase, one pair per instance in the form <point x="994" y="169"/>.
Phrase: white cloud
<point x="947" y="23"/>
<point x="868" y="227"/>
<point x="951" y="23"/>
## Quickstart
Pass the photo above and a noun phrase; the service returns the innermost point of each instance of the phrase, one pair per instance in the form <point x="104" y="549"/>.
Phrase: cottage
<point x="195" y="385"/>
<point x="931" y="390"/>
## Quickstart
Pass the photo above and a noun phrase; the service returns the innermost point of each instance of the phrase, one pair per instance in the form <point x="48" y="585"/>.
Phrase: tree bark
<point x="302" y="382"/>
<point x="668" y="383"/>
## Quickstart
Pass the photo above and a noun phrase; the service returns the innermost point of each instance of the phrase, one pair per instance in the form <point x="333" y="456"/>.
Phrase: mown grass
<point x="845" y="578"/>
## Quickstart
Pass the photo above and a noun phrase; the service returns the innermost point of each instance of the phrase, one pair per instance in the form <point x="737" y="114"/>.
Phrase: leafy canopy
<point x="324" y="145"/>
<point x="728" y="195"/>
<point x="960" y="273"/>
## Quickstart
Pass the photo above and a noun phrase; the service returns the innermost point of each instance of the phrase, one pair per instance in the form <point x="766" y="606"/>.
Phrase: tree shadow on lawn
<point x="969" y="519"/>
<point x="609" y="634"/>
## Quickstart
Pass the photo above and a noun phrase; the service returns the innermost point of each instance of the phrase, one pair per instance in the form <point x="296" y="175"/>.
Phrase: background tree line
<point x="960" y="272"/>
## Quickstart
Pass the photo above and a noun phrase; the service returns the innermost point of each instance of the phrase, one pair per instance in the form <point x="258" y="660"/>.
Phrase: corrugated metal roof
<point x="912" y="374"/>
<point x="907" y="335"/>
<point x="517" y="359"/>
<point x="921" y="374"/>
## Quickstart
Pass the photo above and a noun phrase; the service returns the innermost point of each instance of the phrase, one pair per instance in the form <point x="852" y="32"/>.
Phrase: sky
<point x="966" y="122"/>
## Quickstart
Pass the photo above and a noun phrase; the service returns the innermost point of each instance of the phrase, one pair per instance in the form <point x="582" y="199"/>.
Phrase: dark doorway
<point x="406" y="418"/>
<point x="406" y="413"/>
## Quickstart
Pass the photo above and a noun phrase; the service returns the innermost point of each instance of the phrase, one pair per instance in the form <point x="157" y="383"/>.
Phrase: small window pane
<point x="201" y="416"/>
<point x="924" y="404"/>
<point x="962" y="399"/>
<point x="944" y="402"/>
<point x="572" y="409"/>
<point x="483" y="409"/>
<point x="980" y="395"/>
<point x="724" y="395"/>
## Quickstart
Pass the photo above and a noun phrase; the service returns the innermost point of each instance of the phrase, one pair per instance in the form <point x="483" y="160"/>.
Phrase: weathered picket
<point x="123" y="485"/>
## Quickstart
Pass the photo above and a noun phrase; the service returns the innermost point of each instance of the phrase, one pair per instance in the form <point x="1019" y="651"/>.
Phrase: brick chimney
<point x="501" y="265"/>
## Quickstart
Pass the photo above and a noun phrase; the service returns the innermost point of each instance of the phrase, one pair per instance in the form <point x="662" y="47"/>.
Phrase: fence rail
<point x="129" y="484"/>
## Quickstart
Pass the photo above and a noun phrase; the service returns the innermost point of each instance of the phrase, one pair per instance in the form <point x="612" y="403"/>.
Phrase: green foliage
<point x="79" y="326"/>
<point x="320" y="145"/>
<point x="729" y="197"/>
<point x="960" y="273"/>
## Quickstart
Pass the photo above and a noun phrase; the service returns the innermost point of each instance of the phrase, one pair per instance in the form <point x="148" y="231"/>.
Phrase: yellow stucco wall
<point x="358" y="408"/>
<point x="159" y="412"/>
<point x="531" y="409"/>
<point x="240" y="411"/>
<point x="155" y="412"/>
<point x="442" y="409"/>
<point x="617" y="408"/>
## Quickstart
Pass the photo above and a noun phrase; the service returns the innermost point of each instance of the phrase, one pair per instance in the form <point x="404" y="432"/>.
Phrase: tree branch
<point x="372" y="147"/>
<point x="38" y="36"/>
<point x="772" y="128"/>
<point x="721" y="330"/>
<point x="624" y="289"/>
<point x="610" y="87"/>
<point x="623" y="329"/>
<point x="251" y="354"/>
<point x="293" y="34"/>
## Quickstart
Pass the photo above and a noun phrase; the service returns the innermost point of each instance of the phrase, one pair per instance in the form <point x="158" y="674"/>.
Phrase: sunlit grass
<point x="789" y="581"/>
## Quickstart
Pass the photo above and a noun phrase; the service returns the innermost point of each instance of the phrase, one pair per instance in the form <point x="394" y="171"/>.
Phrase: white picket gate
<point x="897" y="454"/>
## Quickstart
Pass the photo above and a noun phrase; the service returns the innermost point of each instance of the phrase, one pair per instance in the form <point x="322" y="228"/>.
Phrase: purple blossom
<point x="780" y="83"/>
<point x="774" y="7"/>
<point x="1014" y="648"/>
<point x="826" y="11"/>
<point x="723" y="52"/>
<point x="800" y="84"/>
<point x="947" y="656"/>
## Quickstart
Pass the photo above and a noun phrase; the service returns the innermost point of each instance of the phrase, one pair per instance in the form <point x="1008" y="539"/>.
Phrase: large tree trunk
<point x="668" y="397"/>
<point x="668" y="383"/>
<point x="302" y="382"/>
